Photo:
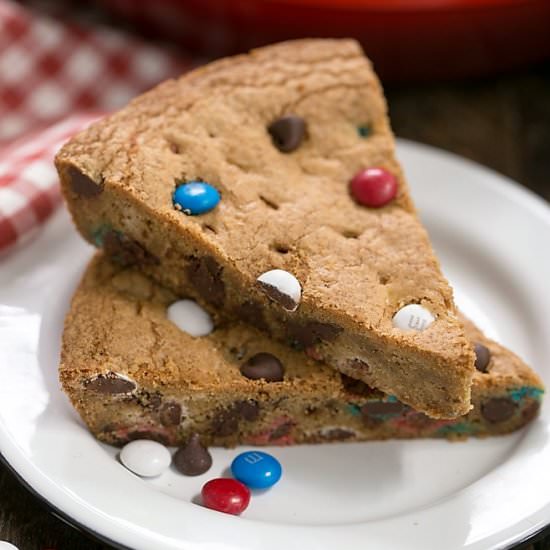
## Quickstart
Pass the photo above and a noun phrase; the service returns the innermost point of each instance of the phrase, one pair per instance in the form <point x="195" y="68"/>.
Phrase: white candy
<point x="7" y="546"/>
<point x="145" y="458"/>
<point x="188" y="316"/>
<point x="282" y="283"/>
<point x="413" y="317"/>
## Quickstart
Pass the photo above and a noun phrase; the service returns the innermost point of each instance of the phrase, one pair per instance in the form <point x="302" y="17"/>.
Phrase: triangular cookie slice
<point x="266" y="186"/>
<point x="132" y="373"/>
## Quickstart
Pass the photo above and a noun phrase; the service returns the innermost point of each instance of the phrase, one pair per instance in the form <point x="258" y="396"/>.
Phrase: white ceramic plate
<point x="493" y="240"/>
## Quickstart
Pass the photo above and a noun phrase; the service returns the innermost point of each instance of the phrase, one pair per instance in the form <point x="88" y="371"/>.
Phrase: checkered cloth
<point x="51" y="71"/>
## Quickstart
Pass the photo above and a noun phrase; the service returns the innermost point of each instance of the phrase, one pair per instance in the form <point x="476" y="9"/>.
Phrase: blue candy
<point x="196" y="197"/>
<point x="256" y="469"/>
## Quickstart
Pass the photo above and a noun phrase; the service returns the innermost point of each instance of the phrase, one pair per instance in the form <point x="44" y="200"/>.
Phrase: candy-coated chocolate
<point x="364" y="130"/>
<point x="282" y="287"/>
<point x="374" y="187"/>
<point x="413" y="317"/>
<point x="226" y="495"/>
<point x="195" y="197"/>
<point x="145" y="458"/>
<point x="190" y="317"/>
<point x="256" y="469"/>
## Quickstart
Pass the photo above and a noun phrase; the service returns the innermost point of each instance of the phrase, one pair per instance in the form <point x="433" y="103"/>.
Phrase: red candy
<point x="373" y="187"/>
<point x="226" y="495"/>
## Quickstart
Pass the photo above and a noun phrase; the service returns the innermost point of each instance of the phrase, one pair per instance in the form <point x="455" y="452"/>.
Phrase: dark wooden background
<point x="503" y="123"/>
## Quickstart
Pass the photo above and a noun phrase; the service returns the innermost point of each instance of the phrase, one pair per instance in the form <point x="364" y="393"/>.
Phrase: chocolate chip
<point x="287" y="132"/>
<point x="281" y="431"/>
<point x="206" y="276"/>
<point x="498" y="409"/>
<point x="313" y="332"/>
<point x="170" y="414"/>
<point x="356" y="387"/>
<point x="126" y="251"/>
<point x="192" y="459"/>
<point x="226" y="422"/>
<point x="249" y="410"/>
<point x="337" y="434"/>
<point x="483" y="356"/>
<point x="263" y="366"/>
<point x="81" y="184"/>
<point x="252" y="313"/>
<point x="110" y="383"/>
<point x="277" y="296"/>
<point x="378" y="408"/>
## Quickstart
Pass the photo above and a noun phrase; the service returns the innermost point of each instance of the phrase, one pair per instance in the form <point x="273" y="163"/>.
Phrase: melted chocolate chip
<point x="263" y="366"/>
<point x="304" y="336"/>
<point x="252" y="313"/>
<point x="287" y="132"/>
<point x="206" y="276"/>
<point x="378" y="408"/>
<point x="126" y="251"/>
<point x="483" y="357"/>
<point x="225" y="422"/>
<point x="498" y="409"/>
<point x="356" y="387"/>
<point x="81" y="184"/>
<point x="170" y="414"/>
<point x="248" y="410"/>
<point x="110" y="383"/>
<point x="281" y="431"/>
<point x="337" y="434"/>
<point x="192" y="459"/>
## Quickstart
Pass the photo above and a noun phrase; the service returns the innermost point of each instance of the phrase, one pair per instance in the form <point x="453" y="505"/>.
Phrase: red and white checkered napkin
<point x="53" y="71"/>
<point x="29" y="187"/>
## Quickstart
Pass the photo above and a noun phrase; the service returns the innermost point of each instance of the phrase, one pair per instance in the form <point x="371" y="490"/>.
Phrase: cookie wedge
<point x="132" y="373"/>
<point x="294" y="142"/>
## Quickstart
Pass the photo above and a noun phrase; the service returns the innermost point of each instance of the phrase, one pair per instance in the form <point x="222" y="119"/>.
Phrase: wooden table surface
<point x="503" y="123"/>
